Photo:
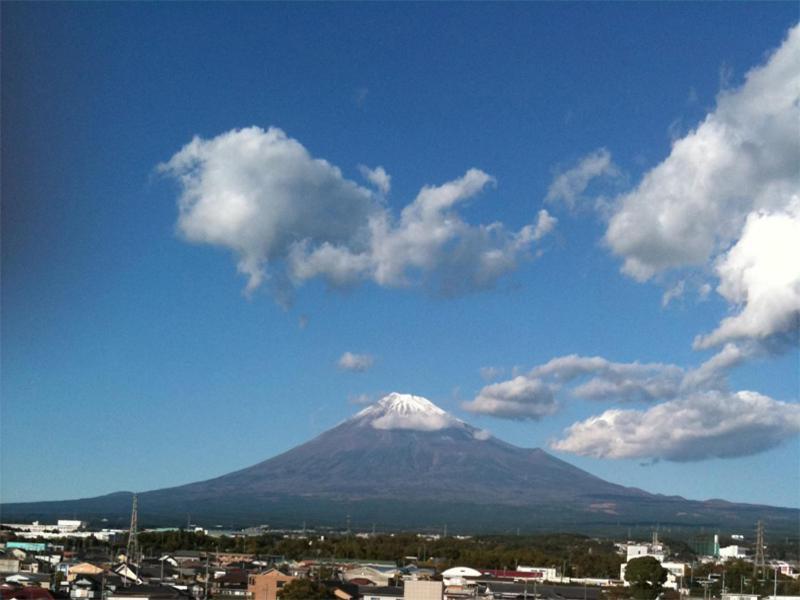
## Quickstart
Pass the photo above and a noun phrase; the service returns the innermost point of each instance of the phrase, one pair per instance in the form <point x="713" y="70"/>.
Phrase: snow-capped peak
<point x="408" y="403"/>
<point x="406" y="411"/>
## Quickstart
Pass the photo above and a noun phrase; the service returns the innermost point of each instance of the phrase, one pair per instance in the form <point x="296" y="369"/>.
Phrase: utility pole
<point x="775" y="585"/>
<point x="206" y="586"/>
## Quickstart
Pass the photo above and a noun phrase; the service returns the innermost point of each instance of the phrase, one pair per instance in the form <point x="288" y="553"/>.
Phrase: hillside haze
<point x="403" y="462"/>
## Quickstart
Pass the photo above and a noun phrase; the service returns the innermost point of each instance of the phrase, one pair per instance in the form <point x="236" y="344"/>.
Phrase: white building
<point x="459" y="575"/>
<point x="639" y="550"/>
<point x="783" y="567"/>
<point x="423" y="590"/>
<point x="732" y="551"/>
<point x="62" y="526"/>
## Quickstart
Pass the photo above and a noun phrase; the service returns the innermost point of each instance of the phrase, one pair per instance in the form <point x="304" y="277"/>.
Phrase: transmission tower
<point x="132" y="551"/>
<point x="759" y="562"/>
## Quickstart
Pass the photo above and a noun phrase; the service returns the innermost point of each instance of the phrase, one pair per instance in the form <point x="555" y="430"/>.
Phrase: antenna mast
<point x="132" y="551"/>
<point x="759" y="562"/>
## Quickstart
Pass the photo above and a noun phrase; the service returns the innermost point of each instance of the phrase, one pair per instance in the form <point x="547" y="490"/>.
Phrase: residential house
<point x="265" y="586"/>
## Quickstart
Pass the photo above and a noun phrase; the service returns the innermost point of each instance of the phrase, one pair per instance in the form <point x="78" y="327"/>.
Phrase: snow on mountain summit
<point x="406" y="411"/>
<point x="407" y="404"/>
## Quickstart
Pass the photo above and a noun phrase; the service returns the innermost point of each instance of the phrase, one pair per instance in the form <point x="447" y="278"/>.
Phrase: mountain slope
<point x="404" y="462"/>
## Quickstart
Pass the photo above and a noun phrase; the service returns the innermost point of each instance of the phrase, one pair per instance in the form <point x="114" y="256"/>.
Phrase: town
<point x="70" y="559"/>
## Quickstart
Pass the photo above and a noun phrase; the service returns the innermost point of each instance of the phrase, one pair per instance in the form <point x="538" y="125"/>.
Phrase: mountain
<point x="405" y="463"/>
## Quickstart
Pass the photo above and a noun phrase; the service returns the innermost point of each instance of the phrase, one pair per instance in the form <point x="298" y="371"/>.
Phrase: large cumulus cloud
<point x="286" y="214"/>
<point x="725" y="201"/>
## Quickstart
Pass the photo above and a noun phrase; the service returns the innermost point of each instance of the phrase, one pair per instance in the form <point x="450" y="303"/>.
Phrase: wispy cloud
<point x="491" y="373"/>
<point x="545" y="223"/>
<point x="357" y="363"/>
<point x="377" y="177"/>
<point x="569" y="186"/>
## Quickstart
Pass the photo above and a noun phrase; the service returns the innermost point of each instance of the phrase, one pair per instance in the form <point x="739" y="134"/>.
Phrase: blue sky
<point x="135" y="357"/>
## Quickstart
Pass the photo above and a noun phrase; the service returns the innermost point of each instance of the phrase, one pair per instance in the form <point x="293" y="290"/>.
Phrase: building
<point x="9" y="564"/>
<point x="83" y="568"/>
<point x="229" y="558"/>
<point x="656" y="550"/>
<point x="27" y="546"/>
<point x="541" y="573"/>
<point x="739" y="596"/>
<point x="705" y="545"/>
<point x="383" y="592"/>
<point x="371" y="575"/>
<point x="732" y="551"/>
<point x="89" y="587"/>
<point x="423" y="590"/>
<point x="782" y="567"/>
<point x="265" y="586"/>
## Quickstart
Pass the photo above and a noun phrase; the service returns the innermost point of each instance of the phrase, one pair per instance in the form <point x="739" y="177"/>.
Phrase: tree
<point x="302" y="589"/>
<point x="645" y="575"/>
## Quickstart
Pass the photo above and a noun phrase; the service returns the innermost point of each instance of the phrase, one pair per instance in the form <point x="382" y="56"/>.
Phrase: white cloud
<point x="355" y="362"/>
<point x="360" y="399"/>
<point x="692" y="414"/>
<point x="700" y="426"/>
<point x="673" y="293"/>
<point x="430" y="244"/>
<point x="743" y="157"/>
<point x="612" y="381"/>
<point x="406" y="411"/>
<point x="726" y="200"/>
<point x="598" y="379"/>
<point x="259" y="192"/>
<point x="761" y="274"/>
<point x="544" y="224"/>
<point x="415" y="421"/>
<point x="482" y="434"/>
<point x="519" y="398"/>
<point x="491" y="373"/>
<point x="711" y="374"/>
<point x="570" y="185"/>
<point x="291" y="217"/>
<point x="377" y="177"/>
